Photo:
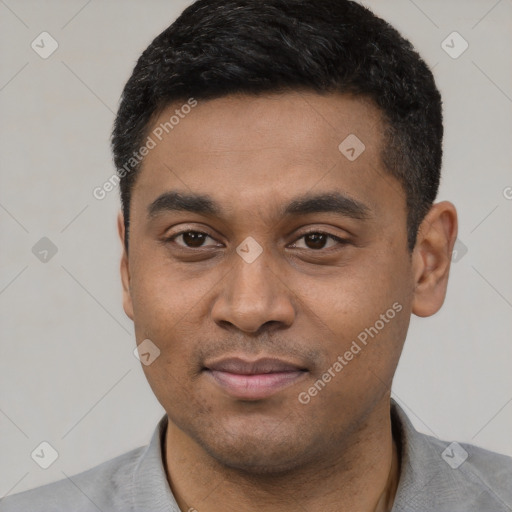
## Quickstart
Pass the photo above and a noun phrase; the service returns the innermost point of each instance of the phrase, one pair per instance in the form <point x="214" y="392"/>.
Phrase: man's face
<point x="216" y="313"/>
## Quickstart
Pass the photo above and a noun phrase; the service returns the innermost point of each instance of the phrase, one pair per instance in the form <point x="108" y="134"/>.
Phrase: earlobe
<point x="125" y="269"/>
<point x="432" y="258"/>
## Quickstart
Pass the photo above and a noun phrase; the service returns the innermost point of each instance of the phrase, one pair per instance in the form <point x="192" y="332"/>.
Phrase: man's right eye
<point x="191" y="239"/>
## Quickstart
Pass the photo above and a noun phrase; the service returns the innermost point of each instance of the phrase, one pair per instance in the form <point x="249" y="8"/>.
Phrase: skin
<point x="297" y="301"/>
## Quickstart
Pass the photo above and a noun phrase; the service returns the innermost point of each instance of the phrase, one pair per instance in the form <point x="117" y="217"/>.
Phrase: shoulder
<point x="107" y="486"/>
<point x="487" y="474"/>
<point x="444" y="476"/>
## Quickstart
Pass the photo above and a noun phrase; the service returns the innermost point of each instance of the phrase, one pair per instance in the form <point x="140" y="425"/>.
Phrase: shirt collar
<point x="151" y="490"/>
<point x="425" y="478"/>
<point x="427" y="481"/>
<point x="420" y="468"/>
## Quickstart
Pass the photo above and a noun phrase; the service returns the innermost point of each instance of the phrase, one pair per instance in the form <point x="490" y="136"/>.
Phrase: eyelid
<point x="340" y="240"/>
<point x="319" y="231"/>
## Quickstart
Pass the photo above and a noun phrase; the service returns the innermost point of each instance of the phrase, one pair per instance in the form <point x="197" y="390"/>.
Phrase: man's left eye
<point x="318" y="241"/>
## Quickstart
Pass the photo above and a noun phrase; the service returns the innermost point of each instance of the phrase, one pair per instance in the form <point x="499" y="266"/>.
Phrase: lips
<point x="254" y="380"/>
<point x="260" y="366"/>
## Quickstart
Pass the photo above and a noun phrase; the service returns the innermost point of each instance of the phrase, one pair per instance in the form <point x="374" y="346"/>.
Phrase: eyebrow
<point x="331" y="202"/>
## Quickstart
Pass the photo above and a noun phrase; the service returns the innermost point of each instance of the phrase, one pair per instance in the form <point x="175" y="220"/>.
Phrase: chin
<point x="269" y="448"/>
<point x="257" y="460"/>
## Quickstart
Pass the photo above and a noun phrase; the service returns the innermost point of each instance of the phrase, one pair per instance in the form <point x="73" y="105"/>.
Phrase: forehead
<point x="256" y="149"/>
<point x="300" y="120"/>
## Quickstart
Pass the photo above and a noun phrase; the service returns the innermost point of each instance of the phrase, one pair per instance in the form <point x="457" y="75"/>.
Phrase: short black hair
<point x="222" y="47"/>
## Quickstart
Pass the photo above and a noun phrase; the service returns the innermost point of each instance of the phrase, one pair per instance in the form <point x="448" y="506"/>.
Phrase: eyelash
<point x="340" y="241"/>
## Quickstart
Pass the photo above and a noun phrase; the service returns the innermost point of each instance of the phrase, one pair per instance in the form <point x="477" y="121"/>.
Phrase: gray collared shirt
<point x="435" y="476"/>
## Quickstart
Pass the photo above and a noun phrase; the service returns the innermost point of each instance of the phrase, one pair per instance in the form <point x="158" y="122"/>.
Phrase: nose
<point x="252" y="296"/>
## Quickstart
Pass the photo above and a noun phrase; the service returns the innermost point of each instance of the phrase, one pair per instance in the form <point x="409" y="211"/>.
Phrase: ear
<point x="125" y="269"/>
<point x="432" y="257"/>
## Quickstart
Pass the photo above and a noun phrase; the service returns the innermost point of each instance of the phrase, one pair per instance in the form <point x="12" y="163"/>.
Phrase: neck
<point x="359" y="475"/>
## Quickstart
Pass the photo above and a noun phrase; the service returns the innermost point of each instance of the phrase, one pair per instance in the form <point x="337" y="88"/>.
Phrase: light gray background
<point x="68" y="375"/>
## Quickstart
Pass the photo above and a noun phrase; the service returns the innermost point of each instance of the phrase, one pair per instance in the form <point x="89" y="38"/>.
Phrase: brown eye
<point x="191" y="239"/>
<point x="317" y="241"/>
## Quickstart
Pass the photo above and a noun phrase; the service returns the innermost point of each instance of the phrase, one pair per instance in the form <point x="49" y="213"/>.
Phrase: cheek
<point x="170" y="306"/>
<point x="352" y="298"/>
<point x="165" y="296"/>
<point x="166" y="306"/>
<point x="364" y="312"/>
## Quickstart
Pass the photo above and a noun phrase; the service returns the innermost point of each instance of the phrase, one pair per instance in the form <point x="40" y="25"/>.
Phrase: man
<point x="279" y="162"/>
